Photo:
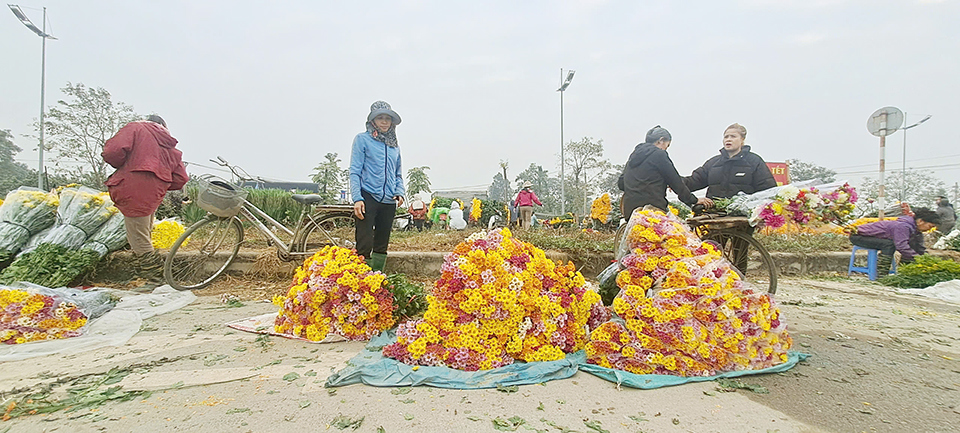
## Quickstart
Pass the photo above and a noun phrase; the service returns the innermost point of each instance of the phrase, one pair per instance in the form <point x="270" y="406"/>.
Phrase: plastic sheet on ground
<point x="114" y="328"/>
<point x="653" y="381"/>
<point x="372" y="368"/>
<point x="944" y="290"/>
<point x="263" y="324"/>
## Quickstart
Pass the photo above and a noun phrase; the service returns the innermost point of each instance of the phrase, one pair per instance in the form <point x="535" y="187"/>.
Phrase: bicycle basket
<point x="220" y="198"/>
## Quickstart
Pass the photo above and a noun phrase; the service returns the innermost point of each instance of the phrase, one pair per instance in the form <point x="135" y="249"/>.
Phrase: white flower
<point x="788" y="192"/>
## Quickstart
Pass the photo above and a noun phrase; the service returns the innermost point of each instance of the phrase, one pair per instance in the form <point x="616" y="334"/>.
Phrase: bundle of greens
<point x="50" y="265"/>
<point x="924" y="271"/>
<point x="410" y="298"/>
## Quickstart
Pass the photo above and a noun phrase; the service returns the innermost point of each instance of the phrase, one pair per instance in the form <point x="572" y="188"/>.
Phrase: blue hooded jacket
<point x="375" y="168"/>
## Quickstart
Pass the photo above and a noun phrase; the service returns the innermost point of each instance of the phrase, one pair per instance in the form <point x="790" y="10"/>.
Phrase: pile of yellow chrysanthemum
<point x="335" y="291"/>
<point x="498" y="300"/>
<point x="165" y="233"/>
<point x="600" y="209"/>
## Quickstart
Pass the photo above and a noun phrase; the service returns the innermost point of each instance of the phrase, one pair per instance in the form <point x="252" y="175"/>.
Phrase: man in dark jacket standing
<point x="948" y="217"/>
<point x="736" y="169"/>
<point x="647" y="174"/>
<point x="148" y="165"/>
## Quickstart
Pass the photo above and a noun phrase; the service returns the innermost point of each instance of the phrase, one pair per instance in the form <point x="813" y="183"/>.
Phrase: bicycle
<point x="733" y="236"/>
<point x="208" y="247"/>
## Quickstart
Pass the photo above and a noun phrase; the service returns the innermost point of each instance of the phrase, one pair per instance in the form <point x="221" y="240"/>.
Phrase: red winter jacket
<point x="527" y="197"/>
<point x="148" y="164"/>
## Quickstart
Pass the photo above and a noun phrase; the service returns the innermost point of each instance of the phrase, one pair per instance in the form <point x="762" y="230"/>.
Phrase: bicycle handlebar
<point x="238" y="172"/>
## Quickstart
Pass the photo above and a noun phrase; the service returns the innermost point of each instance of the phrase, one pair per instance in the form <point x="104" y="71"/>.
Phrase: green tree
<point x="921" y="189"/>
<point x="13" y="174"/>
<point x="587" y="168"/>
<point x="800" y="171"/>
<point x="417" y="180"/>
<point x="78" y="126"/>
<point x="330" y="177"/>
<point x="499" y="189"/>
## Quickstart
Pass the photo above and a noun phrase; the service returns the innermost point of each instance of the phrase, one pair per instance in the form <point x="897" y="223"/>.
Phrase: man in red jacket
<point x="148" y="165"/>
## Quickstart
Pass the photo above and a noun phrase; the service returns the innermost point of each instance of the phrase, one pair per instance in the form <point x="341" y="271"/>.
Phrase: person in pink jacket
<point x="148" y="165"/>
<point x="525" y="200"/>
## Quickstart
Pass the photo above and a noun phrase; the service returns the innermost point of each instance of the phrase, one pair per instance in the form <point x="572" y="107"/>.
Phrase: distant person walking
<point x="148" y="165"/>
<point x="376" y="183"/>
<point x="948" y="216"/>
<point x="524" y="203"/>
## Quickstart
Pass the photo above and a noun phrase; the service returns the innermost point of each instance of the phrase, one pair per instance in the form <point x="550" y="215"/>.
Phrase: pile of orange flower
<point x="335" y="291"/>
<point x="499" y="300"/>
<point x="26" y="317"/>
<point x="684" y="309"/>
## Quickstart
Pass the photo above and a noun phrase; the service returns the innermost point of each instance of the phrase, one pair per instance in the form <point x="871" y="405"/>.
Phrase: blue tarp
<point x="651" y="381"/>
<point x="372" y="368"/>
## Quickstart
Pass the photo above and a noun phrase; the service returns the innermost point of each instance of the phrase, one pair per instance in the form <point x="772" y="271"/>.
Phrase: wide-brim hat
<point x="527" y="184"/>
<point x="381" y="107"/>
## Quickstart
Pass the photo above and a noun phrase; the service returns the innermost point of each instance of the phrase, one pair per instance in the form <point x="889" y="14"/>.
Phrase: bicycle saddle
<point x="307" y="198"/>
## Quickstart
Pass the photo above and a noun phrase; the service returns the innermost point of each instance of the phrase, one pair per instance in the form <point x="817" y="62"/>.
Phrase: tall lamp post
<point x="903" y="174"/>
<point x="563" y="191"/>
<point x="43" y="73"/>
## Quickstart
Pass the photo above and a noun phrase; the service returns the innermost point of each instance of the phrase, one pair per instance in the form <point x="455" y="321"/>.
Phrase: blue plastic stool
<point x="871" y="268"/>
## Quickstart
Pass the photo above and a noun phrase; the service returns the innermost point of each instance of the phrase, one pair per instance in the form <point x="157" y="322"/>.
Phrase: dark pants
<point x="373" y="231"/>
<point x="418" y="224"/>
<point x="885" y="246"/>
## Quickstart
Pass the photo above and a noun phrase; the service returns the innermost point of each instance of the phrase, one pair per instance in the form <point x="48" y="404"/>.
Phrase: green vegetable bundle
<point x="410" y="298"/>
<point x="924" y="271"/>
<point x="50" y="265"/>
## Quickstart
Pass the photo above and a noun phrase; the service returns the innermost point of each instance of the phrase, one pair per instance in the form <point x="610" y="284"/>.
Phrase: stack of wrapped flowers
<point x="25" y="212"/>
<point x="335" y="291"/>
<point x="497" y="301"/>
<point x="803" y="204"/>
<point x="26" y="316"/>
<point x="683" y="310"/>
<point x="81" y="212"/>
<point x="476" y="210"/>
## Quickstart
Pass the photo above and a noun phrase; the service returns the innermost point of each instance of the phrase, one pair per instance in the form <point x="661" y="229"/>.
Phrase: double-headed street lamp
<point x="563" y="192"/>
<point x="43" y="73"/>
<point x="903" y="175"/>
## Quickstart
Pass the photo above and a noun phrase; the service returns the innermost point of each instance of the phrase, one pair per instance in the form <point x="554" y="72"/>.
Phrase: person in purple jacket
<point x="905" y="234"/>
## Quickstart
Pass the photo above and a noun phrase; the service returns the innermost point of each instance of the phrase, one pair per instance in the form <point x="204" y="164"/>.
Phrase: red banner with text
<point x="781" y="172"/>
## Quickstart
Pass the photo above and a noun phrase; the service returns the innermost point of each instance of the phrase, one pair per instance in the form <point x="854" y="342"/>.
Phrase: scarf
<point x="389" y="138"/>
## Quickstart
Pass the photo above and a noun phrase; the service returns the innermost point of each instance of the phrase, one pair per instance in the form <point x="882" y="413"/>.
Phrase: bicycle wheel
<point x="339" y="230"/>
<point x="618" y="238"/>
<point x="749" y="258"/>
<point x="203" y="252"/>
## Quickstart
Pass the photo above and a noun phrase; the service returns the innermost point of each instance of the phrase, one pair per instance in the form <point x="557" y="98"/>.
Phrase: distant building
<point x="286" y="186"/>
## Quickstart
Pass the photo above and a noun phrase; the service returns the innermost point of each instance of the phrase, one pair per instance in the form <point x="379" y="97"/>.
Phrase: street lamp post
<point x="563" y="192"/>
<point x="43" y="74"/>
<point x="903" y="174"/>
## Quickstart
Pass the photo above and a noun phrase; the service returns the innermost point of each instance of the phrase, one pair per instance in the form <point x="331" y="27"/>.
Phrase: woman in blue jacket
<point x="376" y="183"/>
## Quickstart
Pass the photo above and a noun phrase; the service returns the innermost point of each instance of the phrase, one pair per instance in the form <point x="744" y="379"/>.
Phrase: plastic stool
<point x="871" y="268"/>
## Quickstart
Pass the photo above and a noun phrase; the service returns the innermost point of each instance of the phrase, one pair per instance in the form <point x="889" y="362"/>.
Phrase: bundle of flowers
<point x="497" y="301"/>
<point x="683" y="310"/>
<point x="25" y="212"/>
<point x="335" y="291"/>
<point x="923" y="271"/>
<point x="839" y="204"/>
<point x="81" y="212"/>
<point x="804" y="205"/>
<point x="26" y="317"/>
<point x="600" y="209"/>
<point x="111" y="236"/>
<point x="165" y="233"/>
<point x="565" y="220"/>
<point x="476" y="210"/>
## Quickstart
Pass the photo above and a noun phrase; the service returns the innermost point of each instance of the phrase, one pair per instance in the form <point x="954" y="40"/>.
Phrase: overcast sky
<point x="273" y="86"/>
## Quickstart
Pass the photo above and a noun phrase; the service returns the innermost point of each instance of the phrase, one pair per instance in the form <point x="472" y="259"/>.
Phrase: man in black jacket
<point x="647" y="174"/>
<point x="736" y="169"/>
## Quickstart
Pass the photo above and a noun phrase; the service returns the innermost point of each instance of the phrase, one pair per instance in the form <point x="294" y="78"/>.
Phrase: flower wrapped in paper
<point x="81" y="212"/>
<point x="683" y="310"/>
<point x="25" y="212"/>
<point x="803" y="203"/>
<point x="497" y="301"/>
<point x="335" y="291"/>
<point x="111" y="236"/>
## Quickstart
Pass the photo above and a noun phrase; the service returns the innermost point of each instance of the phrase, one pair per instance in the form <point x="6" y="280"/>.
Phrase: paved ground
<point x="880" y="362"/>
